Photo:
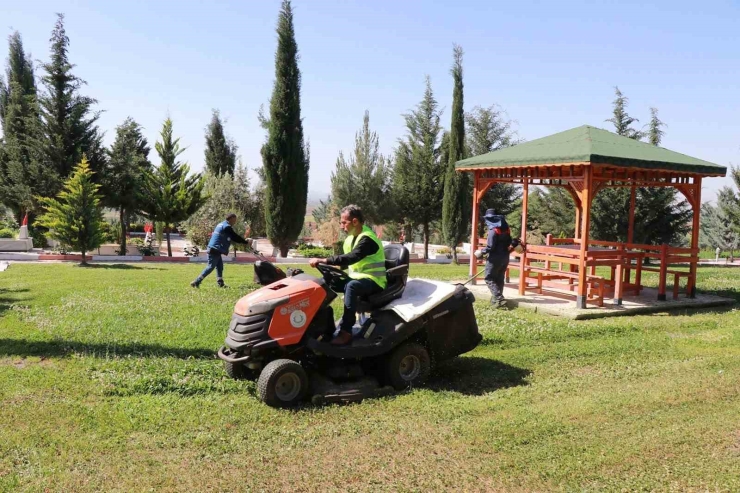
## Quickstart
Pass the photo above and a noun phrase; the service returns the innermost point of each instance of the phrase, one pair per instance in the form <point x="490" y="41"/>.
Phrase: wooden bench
<point x="596" y="284"/>
<point x="677" y="275"/>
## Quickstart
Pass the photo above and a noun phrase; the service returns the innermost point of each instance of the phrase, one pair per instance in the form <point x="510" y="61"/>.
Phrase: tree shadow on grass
<point x="62" y="348"/>
<point x="732" y="293"/>
<point x="476" y="376"/>
<point x="717" y="310"/>
<point x="7" y="299"/>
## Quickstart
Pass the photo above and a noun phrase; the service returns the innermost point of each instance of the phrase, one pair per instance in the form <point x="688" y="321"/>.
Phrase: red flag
<point x="25" y="220"/>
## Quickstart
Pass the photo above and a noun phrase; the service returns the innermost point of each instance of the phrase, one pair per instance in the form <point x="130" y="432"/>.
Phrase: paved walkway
<point x="564" y="305"/>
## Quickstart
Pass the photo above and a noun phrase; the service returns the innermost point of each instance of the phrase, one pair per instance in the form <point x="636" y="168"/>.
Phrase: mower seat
<point x="397" y="272"/>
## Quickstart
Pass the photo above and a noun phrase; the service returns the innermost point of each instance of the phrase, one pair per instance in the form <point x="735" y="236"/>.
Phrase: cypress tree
<point x="170" y="193"/>
<point x="455" y="205"/>
<point x="220" y="152"/>
<point x="419" y="172"/>
<point x="363" y="178"/>
<point x="123" y="175"/>
<point x="21" y="179"/>
<point x="69" y="127"/>
<point x="285" y="156"/>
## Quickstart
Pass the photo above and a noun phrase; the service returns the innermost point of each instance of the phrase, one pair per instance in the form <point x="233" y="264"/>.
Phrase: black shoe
<point x="195" y="284"/>
<point x="221" y="285"/>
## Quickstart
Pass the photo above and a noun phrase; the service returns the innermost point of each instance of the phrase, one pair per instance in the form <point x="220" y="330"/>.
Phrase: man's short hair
<point x="230" y="215"/>
<point x="354" y="211"/>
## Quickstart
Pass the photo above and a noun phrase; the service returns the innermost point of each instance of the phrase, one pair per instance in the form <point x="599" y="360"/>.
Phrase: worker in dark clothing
<point x="365" y="260"/>
<point x="498" y="248"/>
<point x="219" y="245"/>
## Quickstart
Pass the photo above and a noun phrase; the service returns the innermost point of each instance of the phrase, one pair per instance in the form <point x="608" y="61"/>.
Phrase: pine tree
<point x="363" y="179"/>
<point x="321" y="212"/>
<point x="660" y="215"/>
<point x="123" y="175"/>
<point x="75" y="217"/>
<point x="488" y="130"/>
<point x="170" y="193"/>
<point x="655" y="128"/>
<point x="21" y="177"/>
<point x="718" y="223"/>
<point x="19" y="71"/>
<point x="611" y="206"/>
<point x="69" y="127"/>
<point x="552" y="211"/>
<point x="220" y="152"/>
<point x="285" y="156"/>
<point x="419" y="172"/>
<point x="621" y="120"/>
<point x="456" y="203"/>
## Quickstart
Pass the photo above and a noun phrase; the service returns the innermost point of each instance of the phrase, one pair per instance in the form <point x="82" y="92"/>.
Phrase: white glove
<point x="478" y="254"/>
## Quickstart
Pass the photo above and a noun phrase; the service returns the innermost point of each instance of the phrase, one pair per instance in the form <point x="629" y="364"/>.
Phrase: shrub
<point x="7" y="222"/>
<point x="7" y="233"/>
<point x="60" y="249"/>
<point x="111" y="231"/>
<point x="316" y="252"/>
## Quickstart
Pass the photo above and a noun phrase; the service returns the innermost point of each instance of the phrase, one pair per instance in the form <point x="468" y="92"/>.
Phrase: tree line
<point x="52" y="146"/>
<point x="52" y="141"/>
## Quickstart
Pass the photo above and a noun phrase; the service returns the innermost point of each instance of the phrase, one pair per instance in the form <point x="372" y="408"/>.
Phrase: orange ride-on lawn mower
<point x="281" y="334"/>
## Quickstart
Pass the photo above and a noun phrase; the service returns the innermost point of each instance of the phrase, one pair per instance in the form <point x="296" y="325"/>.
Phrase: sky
<point x="550" y="66"/>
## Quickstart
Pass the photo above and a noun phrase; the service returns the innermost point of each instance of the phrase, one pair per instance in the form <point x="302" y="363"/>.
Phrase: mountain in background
<point x="313" y="200"/>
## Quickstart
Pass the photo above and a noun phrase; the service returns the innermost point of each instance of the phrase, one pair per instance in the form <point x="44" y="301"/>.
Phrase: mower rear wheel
<point x="282" y="383"/>
<point x="408" y="366"/>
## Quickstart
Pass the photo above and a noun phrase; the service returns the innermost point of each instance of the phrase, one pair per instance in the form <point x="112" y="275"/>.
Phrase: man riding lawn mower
<point x="285" y="331"/>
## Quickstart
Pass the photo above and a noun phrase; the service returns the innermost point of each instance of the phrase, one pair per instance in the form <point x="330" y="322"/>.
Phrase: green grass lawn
<point x="108" y="382"/>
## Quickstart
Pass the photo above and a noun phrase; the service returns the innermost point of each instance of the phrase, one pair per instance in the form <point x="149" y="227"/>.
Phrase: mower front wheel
<point x="282" y="383"/>
<point x="408" y="366"/>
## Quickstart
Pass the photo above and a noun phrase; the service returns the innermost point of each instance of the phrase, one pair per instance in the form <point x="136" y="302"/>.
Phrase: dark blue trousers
<point x="495" y="275"/>
<point x="353" y="290"/>
<point x="214" y="262"/>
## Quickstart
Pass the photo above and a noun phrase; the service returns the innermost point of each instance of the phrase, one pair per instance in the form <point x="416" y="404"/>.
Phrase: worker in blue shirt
<point x="219" y="245"/>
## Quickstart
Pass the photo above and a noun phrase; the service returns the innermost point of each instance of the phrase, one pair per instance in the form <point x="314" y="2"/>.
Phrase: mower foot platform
<point x="325" y="390"/>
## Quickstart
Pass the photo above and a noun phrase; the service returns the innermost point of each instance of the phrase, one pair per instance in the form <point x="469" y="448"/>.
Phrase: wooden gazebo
<point x="583" y="161"/>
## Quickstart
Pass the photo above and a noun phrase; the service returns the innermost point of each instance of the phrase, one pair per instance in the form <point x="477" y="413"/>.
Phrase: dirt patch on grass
<point x="585" y="371"/>
<point x="22" y="363"/>
<point x="425" y="457"/>
<point x="735" y="444"/>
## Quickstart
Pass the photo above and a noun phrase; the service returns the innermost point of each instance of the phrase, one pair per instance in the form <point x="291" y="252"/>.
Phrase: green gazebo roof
<point x="590" y="144"/>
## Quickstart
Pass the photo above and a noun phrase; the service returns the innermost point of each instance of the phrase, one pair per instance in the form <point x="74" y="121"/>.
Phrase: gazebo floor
<point x="563" y="304"/>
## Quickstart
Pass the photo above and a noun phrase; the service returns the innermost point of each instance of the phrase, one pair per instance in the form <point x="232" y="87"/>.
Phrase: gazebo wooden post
<point x="474" y="228"/>
<point x="695" y="236"/>
<point x="631" y="226"/>
<point x="577" y="231"/>
<point x="585" y="224"/>
<point x="523" y="236"/>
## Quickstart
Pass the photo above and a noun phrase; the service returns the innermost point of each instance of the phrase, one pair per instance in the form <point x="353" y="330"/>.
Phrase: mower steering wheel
<point x="332" y="274"/>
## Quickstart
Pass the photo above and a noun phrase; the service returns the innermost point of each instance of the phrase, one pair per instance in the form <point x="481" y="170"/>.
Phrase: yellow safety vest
<point x="371" y="267"/>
